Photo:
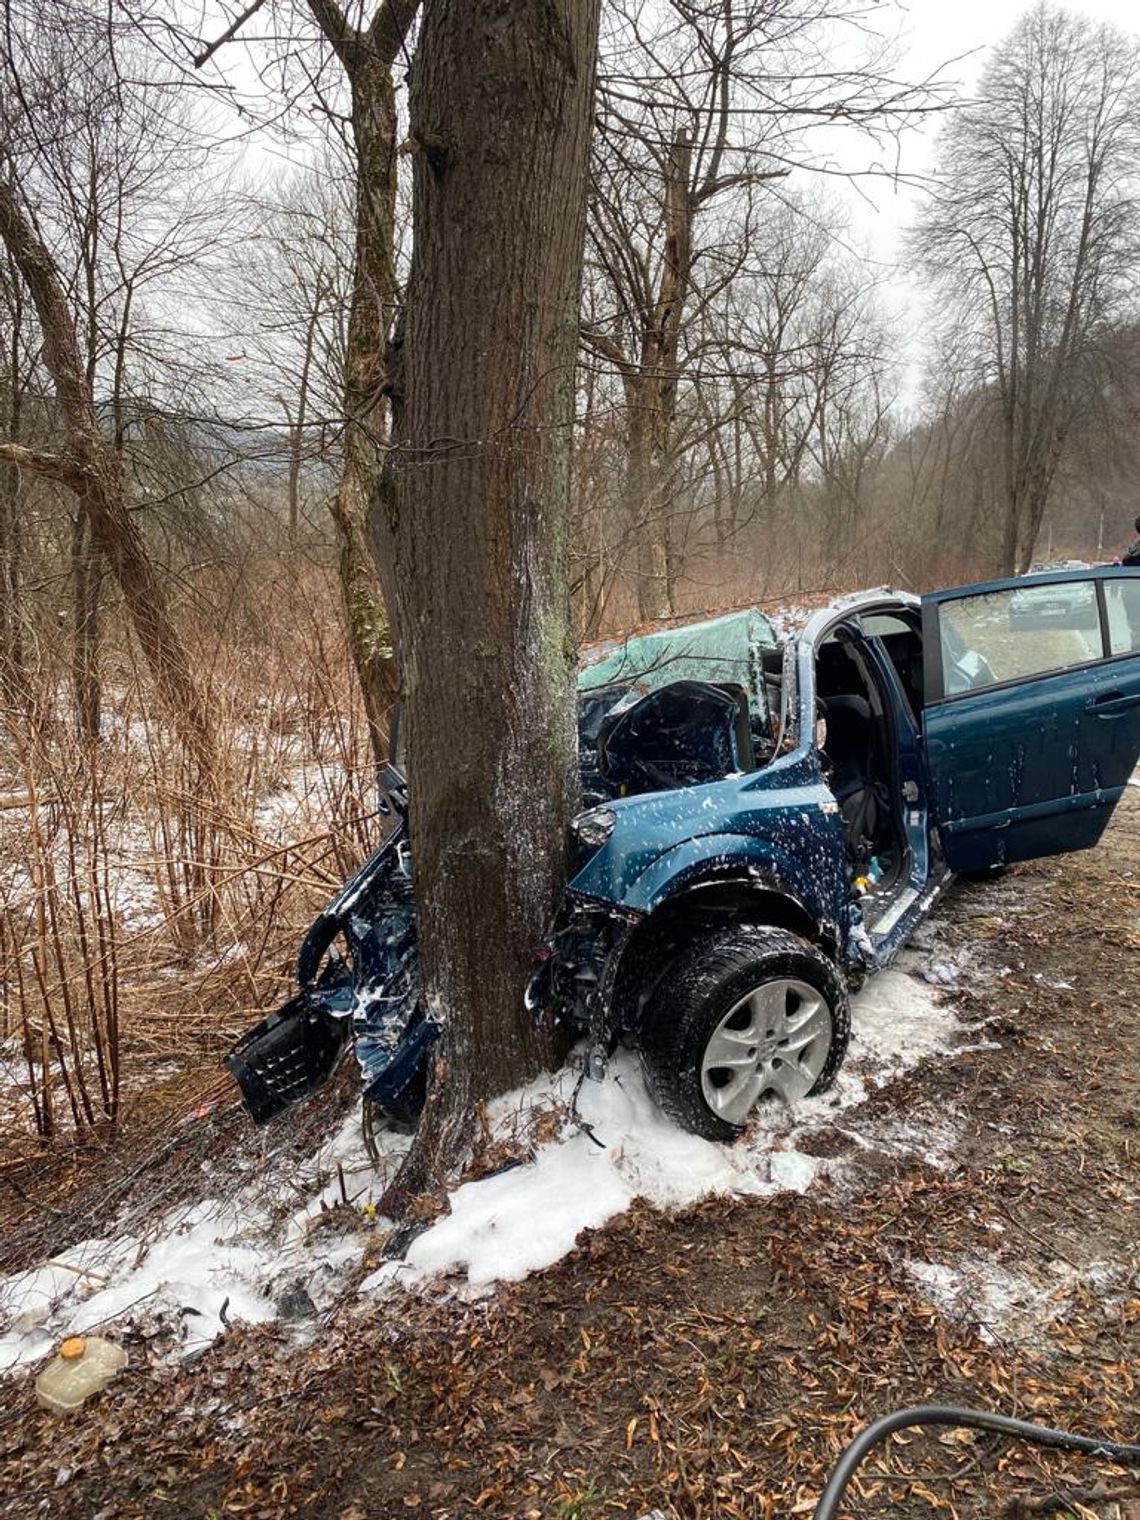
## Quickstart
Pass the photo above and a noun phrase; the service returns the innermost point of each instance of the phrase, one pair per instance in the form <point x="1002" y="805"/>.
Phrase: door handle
<point x="1111" y="704"/>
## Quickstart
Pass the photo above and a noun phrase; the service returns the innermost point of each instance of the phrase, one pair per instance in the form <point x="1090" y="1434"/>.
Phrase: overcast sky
<point x="953" y="36"/>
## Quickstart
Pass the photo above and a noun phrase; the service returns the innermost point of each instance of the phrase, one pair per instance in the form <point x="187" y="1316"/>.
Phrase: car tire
<point x="766" y="1002"/>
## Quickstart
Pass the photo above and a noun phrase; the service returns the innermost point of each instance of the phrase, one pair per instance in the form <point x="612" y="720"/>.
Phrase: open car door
<point x="1031" y="712"/>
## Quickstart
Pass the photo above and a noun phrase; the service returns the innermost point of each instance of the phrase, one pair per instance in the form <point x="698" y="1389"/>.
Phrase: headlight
<point x="593" y="827"/>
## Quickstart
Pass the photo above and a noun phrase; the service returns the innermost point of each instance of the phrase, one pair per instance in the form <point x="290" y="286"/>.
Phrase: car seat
<point x="849" y="749"/>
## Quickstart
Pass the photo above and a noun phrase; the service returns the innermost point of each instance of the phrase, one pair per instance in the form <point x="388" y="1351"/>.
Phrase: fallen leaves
<point x="710" y="1366"/>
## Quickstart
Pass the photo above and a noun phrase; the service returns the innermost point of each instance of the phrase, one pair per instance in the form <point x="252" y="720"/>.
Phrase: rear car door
<point x="1031" y="720"/>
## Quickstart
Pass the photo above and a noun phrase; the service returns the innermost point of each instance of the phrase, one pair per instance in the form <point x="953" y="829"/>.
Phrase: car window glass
<point x="1122" y="604"/>
<point x="879" y="624"/>
<point x="903" y="644"/>
<point x="1010" y="635"/>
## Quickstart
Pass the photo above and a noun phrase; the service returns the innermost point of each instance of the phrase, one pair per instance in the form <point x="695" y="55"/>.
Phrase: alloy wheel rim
<point x="774" y="1041"/>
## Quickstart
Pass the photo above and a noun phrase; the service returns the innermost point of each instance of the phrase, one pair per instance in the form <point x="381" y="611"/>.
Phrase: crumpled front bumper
<point x="371" y="999"/>
<point x="580" y="960"/>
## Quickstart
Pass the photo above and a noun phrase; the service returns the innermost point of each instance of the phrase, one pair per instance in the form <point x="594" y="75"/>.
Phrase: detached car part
<point x="368" y="994"/>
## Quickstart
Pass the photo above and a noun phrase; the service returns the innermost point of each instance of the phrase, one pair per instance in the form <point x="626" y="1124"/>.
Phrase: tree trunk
<point x="1010" y="535"/>
<point x="374" y="297"/>
<point x="368" y="57"/>
<point x="654" y="598"/>
<point x="11" y="505"/>
<point x="365" y="616"/>
<point x="85" y="579"/>
<point x="12" y="675"/>
<point x="297" y="426"/>
<point x="14" y="685"/>
<point x="474" y="535"/>
<point x="657" y="388"/>
<point x="642" y="508"/>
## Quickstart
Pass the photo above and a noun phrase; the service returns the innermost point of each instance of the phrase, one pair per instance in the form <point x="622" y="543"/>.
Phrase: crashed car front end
<point x="366" y="994"/>
<point x="649" y="725"/>
<point x="579" y="961"/>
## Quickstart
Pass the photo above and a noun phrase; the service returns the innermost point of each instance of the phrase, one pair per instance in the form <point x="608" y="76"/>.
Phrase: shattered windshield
<point x="703" y="701"/>
<point x="725" y="651"/>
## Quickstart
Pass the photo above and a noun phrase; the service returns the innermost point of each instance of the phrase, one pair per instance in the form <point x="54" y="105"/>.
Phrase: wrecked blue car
<point x="768" y="816"/>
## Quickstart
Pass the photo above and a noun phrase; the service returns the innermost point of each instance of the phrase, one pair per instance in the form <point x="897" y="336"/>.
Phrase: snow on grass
<point x="231" y="1256"/>
<point x="1000" y="1304"/>
<point x="225" y="1258"/>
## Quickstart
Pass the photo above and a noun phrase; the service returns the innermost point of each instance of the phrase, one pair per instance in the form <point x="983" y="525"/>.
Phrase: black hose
<point x="974" y="1419"/>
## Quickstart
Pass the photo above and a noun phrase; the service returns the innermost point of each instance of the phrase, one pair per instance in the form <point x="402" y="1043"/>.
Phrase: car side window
<point x="1010" y="635"/>
<point x="903" y="644"/>
<point x="1122" y="606"/>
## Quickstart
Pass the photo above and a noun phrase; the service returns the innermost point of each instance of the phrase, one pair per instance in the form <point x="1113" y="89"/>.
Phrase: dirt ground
<point x="713" y="1363"/>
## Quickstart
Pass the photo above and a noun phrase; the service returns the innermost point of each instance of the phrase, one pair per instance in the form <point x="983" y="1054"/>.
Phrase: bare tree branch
<point x="228" y="35"/>
<point x="55" y="466"/>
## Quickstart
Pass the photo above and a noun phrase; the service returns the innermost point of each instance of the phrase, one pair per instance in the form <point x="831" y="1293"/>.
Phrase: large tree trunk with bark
<point x="473" y="534"/>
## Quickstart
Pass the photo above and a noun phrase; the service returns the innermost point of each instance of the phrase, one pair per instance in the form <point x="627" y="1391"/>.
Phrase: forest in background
<point x="200" y="302"/>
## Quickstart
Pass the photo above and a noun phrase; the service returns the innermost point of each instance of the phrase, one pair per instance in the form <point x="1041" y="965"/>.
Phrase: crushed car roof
<point x="723" y="651"/>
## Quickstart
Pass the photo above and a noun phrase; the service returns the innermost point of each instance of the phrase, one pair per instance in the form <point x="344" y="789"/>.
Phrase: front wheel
<point x="747" y="1012"/>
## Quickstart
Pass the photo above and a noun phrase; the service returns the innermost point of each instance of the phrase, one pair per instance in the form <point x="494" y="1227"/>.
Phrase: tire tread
<point x="687" y="1000"/>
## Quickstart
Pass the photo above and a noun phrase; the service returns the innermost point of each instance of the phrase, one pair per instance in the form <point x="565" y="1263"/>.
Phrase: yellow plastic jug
<point x="84" y="1365"/>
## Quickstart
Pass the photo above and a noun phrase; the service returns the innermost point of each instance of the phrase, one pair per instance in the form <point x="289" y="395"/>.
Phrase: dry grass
<point x="142" y="921"/>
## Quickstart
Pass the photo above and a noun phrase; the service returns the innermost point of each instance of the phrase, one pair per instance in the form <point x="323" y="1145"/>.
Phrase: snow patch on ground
<point x="896" y="1021"/>
<point x="223" y="1259"/>
<point x="231" y="1256"/>
<point x="501" y="1228"/>
<point x="1002" y="1305"/>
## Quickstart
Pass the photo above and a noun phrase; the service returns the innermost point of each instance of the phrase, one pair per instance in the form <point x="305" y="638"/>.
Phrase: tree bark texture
<point x="472" y="527"/>
<point x="12" y="505"/>
<point x="85" y="584"/>
<point x="368" y="57"/>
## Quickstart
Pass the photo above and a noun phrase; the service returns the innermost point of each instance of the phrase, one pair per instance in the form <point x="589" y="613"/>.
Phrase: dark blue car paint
<point x="1024" y="768"/>
<point x="1034" y="766"/>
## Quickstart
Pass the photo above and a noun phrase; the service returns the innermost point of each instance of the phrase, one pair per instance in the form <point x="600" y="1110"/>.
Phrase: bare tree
<point x="707" y="106"/>
<point x="368" y="53"/>
<point x="1033" y="243"/>
<point x="16" y="392"/>
<point x="64" y="93"/>
<point x="780" y="407"/>
<point x="289" y="291"/>
<point x="667" y="154"/>
<point x="366" y="42"/>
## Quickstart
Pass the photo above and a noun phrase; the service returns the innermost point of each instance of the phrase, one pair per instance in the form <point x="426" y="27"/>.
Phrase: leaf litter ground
<point x="968" y="1235"/>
